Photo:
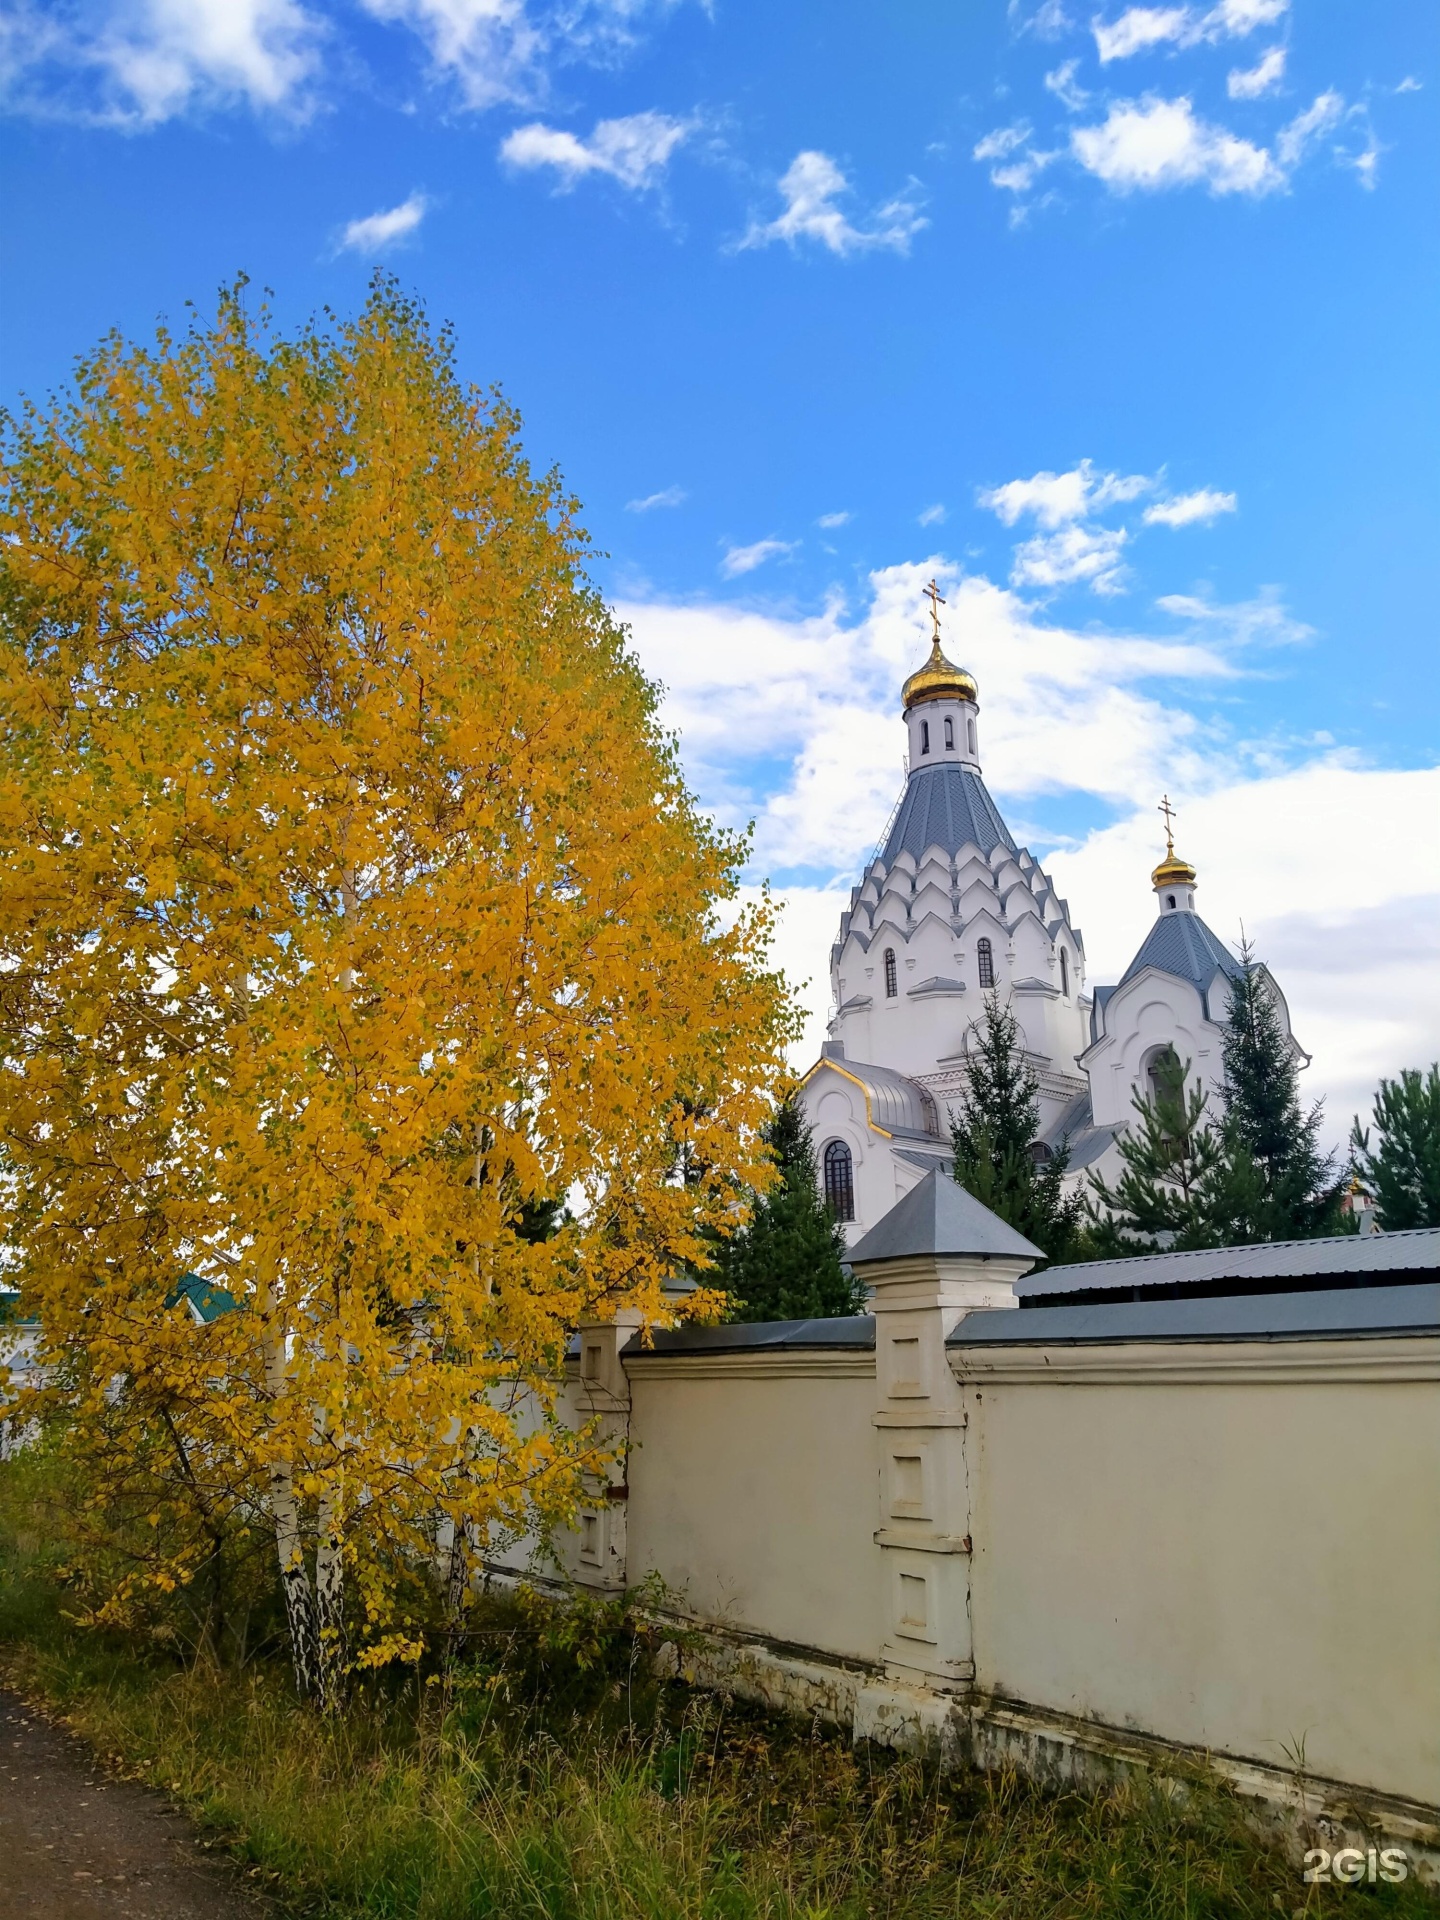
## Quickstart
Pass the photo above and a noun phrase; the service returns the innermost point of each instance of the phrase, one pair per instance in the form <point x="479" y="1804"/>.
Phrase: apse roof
<point x="1182" y="944"/>
<point x="946" y="806"/>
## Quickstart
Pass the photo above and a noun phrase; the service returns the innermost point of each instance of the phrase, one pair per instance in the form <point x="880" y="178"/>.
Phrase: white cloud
<point x="1075" y="556"/>
<point x="1066" y="88"/>
<point x="810" y="187"/>
<point x="1139" y="29"/>
<point x="1056" y="498"/>
<point x="137" y="65"/>
<point x="1150" y="144"/>
<point x="635" y="150"/>
<point x="932" y="516"/>
<point x="1190" y="509"/>
<point x="1003" y="141"/>
<point x="1410" y="85"/>
<point x="1250" y="83"/>
<point x="1108" y="717"/>
<point x="380" y="230"/>
<point x="667" y="497"/>
<point x="495" y="50"/>
<point x="1237" y="624"/>
<point x="738" y="560"/>
<point x="1321" y="117"/>
<point x="833" y="519"/>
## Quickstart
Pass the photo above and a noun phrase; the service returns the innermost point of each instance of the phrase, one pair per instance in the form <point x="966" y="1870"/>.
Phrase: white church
<point x="949" y="909"/>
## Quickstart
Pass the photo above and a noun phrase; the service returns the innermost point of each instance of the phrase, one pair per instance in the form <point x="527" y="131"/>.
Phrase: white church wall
<point x="1147" y="1014"/>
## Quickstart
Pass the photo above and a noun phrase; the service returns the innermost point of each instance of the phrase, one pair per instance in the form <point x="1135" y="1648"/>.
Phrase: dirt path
<point x="75" y="1845"/>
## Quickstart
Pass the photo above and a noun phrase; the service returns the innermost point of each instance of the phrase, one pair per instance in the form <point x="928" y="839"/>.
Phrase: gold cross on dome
<point x="937" y="600"/>
<point x="1169" y="813"/>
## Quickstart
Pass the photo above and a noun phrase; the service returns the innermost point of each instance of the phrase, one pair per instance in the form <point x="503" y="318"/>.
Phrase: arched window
<point x="970" y="735"/>
<point x="985" y="961"/>
<point x="839" y="1180"/>
<point x="1170" y="900"/>
<point x="924" y="736"/>
<point x="1064" y="974"/>
<point x="892" y="978"/>
<point x="949" y="733"/>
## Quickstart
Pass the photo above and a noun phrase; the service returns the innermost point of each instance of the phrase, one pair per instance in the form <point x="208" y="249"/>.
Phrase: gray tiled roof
<point x="940" y="1217"/>
<point x="1347" y="1257"/>
<point x="1359" y="1313"/>
<point x="898" y="1105"/>
<point x="1182" y="944"/>
<point x="945" y="806"/>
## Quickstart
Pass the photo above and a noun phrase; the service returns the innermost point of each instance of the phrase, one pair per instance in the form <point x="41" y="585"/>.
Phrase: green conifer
<point x="1282" y="1186"/>
<point x="785" y="1263"/>
<point x="994" y="1138"/>
<point x="1403" y="1172"/>
<point x="1174" y="1172"/>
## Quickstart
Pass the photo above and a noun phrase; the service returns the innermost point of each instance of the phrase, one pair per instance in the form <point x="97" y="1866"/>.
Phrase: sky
<point x="1113" y="319"/>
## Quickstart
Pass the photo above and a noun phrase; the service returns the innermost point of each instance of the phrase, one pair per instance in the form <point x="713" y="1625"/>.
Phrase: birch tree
<point x="352" y="908"/>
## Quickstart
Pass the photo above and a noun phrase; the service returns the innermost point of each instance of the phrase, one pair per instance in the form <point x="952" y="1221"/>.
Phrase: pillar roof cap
<point x="938" y="1217"/>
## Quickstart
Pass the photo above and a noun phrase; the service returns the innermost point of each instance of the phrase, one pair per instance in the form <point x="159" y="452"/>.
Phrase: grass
<point x="528" y="1788"/>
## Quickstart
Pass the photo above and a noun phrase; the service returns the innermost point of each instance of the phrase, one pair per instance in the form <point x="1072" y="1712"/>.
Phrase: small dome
<point x="938" y="679"/>
<point x="1173" y="871"/>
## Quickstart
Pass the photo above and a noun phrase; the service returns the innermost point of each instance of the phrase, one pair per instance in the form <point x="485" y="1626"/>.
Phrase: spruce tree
<point x="994" y="1136"/>
<point x="1176" y="1180"/>
<point x="1403" y="1172"/>
<point x="1282" y="1186"/>
<point x="785" y="1263"/>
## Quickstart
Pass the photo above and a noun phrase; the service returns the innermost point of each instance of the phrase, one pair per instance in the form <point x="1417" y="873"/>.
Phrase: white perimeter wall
<point x="753" y="1495"/>
<point x="1250" y="1563"/>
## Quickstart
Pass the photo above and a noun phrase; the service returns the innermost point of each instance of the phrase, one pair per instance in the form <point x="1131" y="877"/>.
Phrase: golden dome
<point x="938" y="679"/>
<point x="1173" y="871"/>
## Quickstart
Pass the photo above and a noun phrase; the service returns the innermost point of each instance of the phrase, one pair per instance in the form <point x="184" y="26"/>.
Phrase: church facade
<point x="950" y="909"/>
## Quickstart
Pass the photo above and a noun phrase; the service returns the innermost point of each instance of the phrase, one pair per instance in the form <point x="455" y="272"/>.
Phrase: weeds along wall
<point x="1164" y="1530"/>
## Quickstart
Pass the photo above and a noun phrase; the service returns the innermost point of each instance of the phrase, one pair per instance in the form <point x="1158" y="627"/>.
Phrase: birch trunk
<point x="294" y="1577"/>
<point x="330" y="1590"/>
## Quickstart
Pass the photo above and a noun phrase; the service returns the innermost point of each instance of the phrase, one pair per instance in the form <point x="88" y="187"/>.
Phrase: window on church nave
<point x="985" y="961"/>
<point x="1064" y="974"/>
<point x="949" y="734"/>
<point x="839" y="1180"/>
<point x="892" y="977"/>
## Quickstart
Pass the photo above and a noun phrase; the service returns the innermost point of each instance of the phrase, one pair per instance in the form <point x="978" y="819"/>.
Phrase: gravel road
<point x="76" y="1845"/>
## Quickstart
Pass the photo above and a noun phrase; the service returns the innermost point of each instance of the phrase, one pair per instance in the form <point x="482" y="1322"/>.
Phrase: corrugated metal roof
<point x="1182" y="944"/>
<point x="945" y="806"/>
<point x="899" y="1105"/>
<point x="1348" y="1257"/>
<point x="1364" y="1312"/>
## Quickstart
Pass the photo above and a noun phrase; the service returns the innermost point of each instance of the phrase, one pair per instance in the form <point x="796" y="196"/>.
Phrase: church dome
<point x="938" y="679"/>
<point x="1173" y="871"/>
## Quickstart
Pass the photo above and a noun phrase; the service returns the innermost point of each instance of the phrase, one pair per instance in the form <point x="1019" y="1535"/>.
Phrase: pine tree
<point x="785" y="1263"/>
<point x="1176" y="1180"/>
<point x="1404" y="1170"/>
<point x="1282" y="1187"/>
<point x="994" y="1136"/>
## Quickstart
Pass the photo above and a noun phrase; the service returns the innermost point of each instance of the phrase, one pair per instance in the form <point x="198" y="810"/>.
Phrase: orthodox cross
<point x="937" y="600"/>
<point x="1169" y="813"/>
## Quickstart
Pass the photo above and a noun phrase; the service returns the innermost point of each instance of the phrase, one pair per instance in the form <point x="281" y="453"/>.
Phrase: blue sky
<point x="1121" y="320"/>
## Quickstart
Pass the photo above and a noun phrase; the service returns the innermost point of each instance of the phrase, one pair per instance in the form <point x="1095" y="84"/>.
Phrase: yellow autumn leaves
<point x="353" y="912"/>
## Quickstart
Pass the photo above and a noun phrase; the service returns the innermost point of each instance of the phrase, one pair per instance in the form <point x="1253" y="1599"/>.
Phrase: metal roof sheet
<point x="855" y="1331"/>
<point x="1182" y="944"/>
<point x="1365" y="1312"/>
<point x="1351" y="1256"/>
<point x="947" y="806"/>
